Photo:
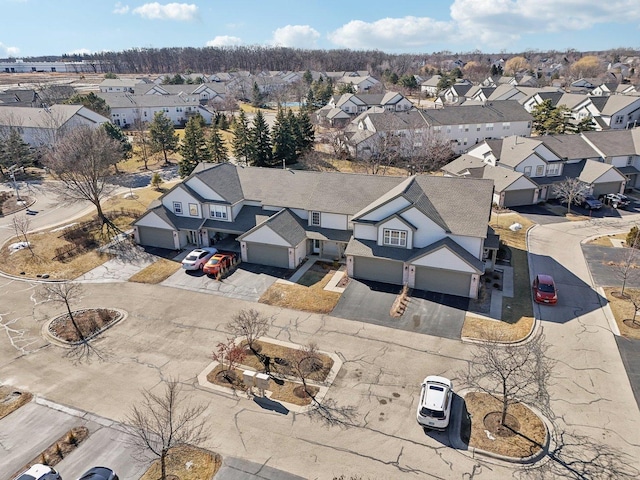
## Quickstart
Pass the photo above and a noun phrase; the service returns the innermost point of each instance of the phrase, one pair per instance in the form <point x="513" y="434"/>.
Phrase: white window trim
<point x="394" y="238"/>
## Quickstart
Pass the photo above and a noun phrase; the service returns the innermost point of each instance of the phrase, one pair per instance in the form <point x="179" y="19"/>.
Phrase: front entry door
<point x="316" y="246"/>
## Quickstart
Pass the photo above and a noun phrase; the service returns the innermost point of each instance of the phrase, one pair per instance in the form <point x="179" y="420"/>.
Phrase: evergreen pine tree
<point x="163" y="135"/>
<point x="15" y="151"/>
<point x="240" y="130"/>
<point x="305" y="133"/>
<point x="217" y="147"/>
<point x="284" y="142"/>
<point x="261" y="153"/>
<point x="256" y="96"/>
<point x="194" y="147"/>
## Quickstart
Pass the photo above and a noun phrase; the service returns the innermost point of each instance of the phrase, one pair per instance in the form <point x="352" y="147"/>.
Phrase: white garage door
<point x="442" y="281"/>
<point x="271" y="255"/>
<point x="384" y="271"/>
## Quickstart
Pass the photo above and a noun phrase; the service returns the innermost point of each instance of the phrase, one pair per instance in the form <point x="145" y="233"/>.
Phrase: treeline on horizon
<point x="258" y="58"/>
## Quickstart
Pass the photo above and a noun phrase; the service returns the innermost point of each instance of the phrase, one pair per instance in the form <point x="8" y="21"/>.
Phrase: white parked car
<point x="198" y="257"/>
<point x="39" y="472"/>
<point x="434" y="407"/>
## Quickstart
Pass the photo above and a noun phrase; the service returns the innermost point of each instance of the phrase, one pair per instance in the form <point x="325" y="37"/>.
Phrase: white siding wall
<point x="203" y="189"/>
<point x="303" y="214"/>
<point x="473" y="245"/>
<point x="395" y="224"/>
<point x="386" y="210"/>
<point x="333" y="220"/>
<point x="533" y="162"/>
<point x="266" y="235"/>
<point x="300" y="253"/>
<point x="152" y="220"/>
<point x="179" y="195"/>
<point x="445" y="259"/>
<point x="621" y="161"/>
<point x="365" y="232"/>
<point x="428" y="231"/>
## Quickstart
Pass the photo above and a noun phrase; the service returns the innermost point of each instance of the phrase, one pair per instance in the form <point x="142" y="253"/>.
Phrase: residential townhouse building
<point x="416" y="231"/>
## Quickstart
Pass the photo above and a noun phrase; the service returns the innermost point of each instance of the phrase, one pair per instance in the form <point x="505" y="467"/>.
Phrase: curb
<point x="458" y="444"/>
<point x="48" y="336"/>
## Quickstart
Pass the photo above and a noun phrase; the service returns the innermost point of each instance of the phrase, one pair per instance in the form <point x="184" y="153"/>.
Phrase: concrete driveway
<point x="247" y="282"/>
<point x="427" y="312"/>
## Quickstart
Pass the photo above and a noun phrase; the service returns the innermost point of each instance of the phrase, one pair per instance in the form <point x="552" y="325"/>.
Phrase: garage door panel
<point x="156" y="237"/>
<point x="384" y="271"/>
<point x="515" y="198"/>
<point x="603" y="188"/>
<point x="442" y="281"/>
<point x="271" y="255"/>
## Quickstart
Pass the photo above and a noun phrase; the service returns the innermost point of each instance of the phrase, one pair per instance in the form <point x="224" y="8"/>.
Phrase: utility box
<point x="249" y="378"/>
<point x="262" y="382"/>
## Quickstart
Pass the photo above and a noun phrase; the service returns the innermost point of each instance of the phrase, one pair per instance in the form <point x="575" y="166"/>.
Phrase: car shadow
<point x="575" y="297"/>
<point x="272" y="405"/>
<point x="458" y="433"/>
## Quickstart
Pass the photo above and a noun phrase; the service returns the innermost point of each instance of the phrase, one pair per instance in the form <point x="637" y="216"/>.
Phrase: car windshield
<point x="546" y="288"/>
<point x="213" y="261"/>
<point x="427" y="412"/>
<point x="191" y="257"/>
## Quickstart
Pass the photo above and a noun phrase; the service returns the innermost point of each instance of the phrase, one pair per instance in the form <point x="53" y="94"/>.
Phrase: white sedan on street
<point x="198" y="257"/>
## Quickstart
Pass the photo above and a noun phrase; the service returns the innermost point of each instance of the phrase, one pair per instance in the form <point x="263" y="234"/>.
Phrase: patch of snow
<point x="14" y="247"/>
<point x="64" y="227"/>
<point x="489" y="436"/>
<point x="515" y="227"/>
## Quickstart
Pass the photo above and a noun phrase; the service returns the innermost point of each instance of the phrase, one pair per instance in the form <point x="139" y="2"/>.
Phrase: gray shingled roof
<point x="286" y="224"/>
<point x="38" y="117"/>
<point x="222" y="178"/>
<point x="613" y="142"/>
<point x="248" y="218"/>
<point x="497" y="111"/>
<point x="571" y="147"/>
<point x="370" y="249"/>
<point x="515" y="149"/>
<point x="123" y="100"/>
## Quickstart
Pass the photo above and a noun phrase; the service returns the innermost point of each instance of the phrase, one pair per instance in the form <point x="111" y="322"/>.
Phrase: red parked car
<point x="219" y="263"/>
<point x="544" y="289"/>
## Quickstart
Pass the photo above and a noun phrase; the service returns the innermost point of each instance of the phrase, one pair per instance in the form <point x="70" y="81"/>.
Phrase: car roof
<point x="437" y="379"/>
<point x="37" y="470"/>
<point x="544" y="278"/>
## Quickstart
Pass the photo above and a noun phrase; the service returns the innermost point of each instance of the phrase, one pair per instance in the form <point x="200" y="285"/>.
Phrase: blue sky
<point x="54" y="27"/>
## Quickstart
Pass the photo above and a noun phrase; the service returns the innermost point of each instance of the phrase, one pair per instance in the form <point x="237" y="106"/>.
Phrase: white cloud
<point x="9" y="51"/>
<point x="120" y="8"/>
<point x="224" y="41"/>
<point x="296" y="36"/>
<point x="392" y="33"/>
<point x="500" y="22"/>
<point x="170" y="11"/>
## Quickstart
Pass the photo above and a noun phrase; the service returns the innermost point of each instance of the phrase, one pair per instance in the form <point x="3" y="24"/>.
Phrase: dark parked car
<point x="99" y="473"/>
<point x="591" y="203"/>
<point x="615" y="200"/>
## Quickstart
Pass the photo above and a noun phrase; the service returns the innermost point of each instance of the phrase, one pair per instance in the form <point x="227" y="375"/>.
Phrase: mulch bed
<point x="90" y="322"/>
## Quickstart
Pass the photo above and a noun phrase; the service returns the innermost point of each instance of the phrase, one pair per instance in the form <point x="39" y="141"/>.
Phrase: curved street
<point x="171" y="333"/>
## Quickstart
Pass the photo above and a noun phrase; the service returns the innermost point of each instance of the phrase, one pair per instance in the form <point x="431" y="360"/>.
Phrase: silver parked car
<point x="39" y="472"/>
<point x="198" y="257"/>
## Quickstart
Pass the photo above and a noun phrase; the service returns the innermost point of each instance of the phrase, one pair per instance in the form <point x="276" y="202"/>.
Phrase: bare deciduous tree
<point x="249" y="324"/>
<point x="626" y="267"/>
<point x="82" y="162"/>
<point x="230" y="355"/>
<point x="164" y="421"/>
<point x="304" y="363"/>
<point x="21" y="225"/>
<point x="141" y="138"/>
<point x="511" y="373"/>
<point x="570" y="191"/>
<point x="67" y="294"/>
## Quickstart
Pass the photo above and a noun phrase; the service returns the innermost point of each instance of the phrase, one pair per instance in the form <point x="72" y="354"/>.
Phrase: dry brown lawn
<point x="623" y="310"/>
<point x="283" y="390"/>
<point x="12" y="399"/>
<point x="187" y="463"/>
<point x="530" y="435"/>
<point x="312" y="298"/>
<point x="274" y="351"/>
<point x="156" y="272"/>
<point x="517" y="312"/>
<point x="44" y="244"/>
<point x="605" y="241"/>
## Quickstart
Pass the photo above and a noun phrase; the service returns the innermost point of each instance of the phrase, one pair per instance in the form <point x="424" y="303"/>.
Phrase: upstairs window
<point x="177" y="208"/>
<point x="193" y="209"/>
<point x="489" y="126"/>
<point x="539" y="170"/>
<point x="315" y="219"/>
<point x="553" y="169"/>
<point x="218" y="211"/>
<point x="395" y="238"/>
